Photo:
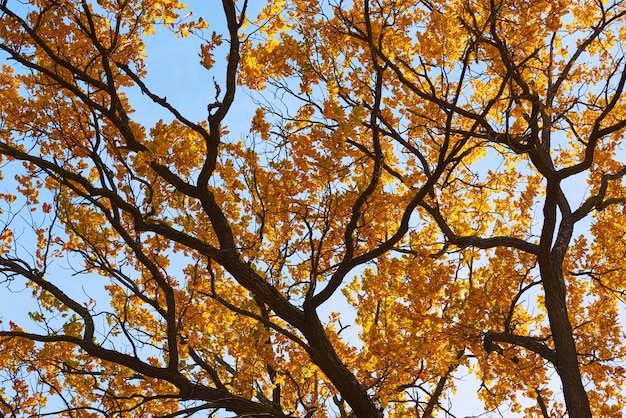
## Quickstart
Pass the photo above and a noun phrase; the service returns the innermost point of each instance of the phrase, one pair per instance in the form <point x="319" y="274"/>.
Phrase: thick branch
<point x="478" y="242"/>
<point x="528" y="343"/>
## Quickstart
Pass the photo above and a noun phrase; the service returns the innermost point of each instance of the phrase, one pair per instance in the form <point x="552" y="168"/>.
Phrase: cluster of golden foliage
<point x="452" y="170"/>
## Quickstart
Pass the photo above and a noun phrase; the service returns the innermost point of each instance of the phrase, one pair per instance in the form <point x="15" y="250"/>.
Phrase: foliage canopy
<point x="449" y="171"/>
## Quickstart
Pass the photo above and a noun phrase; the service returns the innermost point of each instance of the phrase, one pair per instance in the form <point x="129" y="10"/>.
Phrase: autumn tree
<point x="450" y="172"/>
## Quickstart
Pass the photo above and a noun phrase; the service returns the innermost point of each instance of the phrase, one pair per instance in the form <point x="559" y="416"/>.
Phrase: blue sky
<point x="174" y="71"/>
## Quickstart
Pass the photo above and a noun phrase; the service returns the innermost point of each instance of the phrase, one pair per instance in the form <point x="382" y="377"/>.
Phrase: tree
<point x="453" y="169"/>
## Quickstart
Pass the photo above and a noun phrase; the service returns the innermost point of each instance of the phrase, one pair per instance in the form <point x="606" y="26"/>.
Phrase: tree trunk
<point x="552" y="250"/>
<point x="325" y="357"/>
<point x="574" y="392"/>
